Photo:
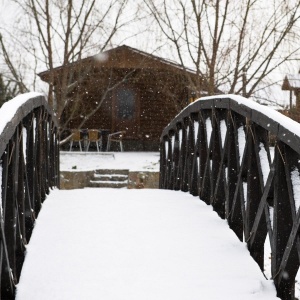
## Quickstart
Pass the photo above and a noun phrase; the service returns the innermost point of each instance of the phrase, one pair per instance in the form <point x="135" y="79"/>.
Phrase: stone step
<point x="112" y="171"/>
<point x="110" y="177"/>
<point x="108" y="184"/>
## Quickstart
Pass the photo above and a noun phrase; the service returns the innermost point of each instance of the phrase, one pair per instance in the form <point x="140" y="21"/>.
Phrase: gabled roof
<point x="123" y="57"/>
<point x="291" y="82"/>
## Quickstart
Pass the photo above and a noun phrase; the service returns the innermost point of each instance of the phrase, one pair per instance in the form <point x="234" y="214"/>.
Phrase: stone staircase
<point x="109" y="179"/>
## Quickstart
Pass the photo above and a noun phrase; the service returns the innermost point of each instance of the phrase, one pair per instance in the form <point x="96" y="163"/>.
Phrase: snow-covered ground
<point x="87" y="161"/>
<point x="136" y="244"/>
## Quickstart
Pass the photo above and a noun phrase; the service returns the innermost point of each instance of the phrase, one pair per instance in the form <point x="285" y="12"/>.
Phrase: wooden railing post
<point x="219" y="149"/>
<point x="29" y="167"/>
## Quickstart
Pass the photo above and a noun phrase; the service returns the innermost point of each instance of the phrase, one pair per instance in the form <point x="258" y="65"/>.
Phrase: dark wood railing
<point x="29" y="168"/>
<point x="244" y="160"/>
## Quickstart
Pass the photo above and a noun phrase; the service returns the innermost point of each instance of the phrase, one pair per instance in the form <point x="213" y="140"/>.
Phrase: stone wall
<point x="81" y="179"/>
<point x="140" y="180"/>
<point x="75" y="180"/>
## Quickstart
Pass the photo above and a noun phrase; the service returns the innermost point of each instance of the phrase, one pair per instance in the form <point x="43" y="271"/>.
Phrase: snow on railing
<point x="29" y="167"/>
<point x="243" y="159"/>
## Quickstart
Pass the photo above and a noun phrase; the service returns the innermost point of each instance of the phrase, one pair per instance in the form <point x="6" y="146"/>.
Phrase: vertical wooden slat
<point x="37" y="164"/>
<point x="176" y="158"/>
<point x="10" y="223"/>
<point x="184" y="157"/>
<point x="190" y="156"/>
<point x="162" y="165"/>
<point x="254" y="195"/>
<point x="234" y="178"/>
<point x="25" y="181"/>
<point x="202" y="149"/>
<point x="20" y="205"/>
<point x="194" y="190"/>
<point x="206" y="183"/>
<point x="169" y="164"/>
<point x="234" y="181"/>
<point x="7" y="286"/>
<point x="282" y="224"/>
<point x="217" y="194"/>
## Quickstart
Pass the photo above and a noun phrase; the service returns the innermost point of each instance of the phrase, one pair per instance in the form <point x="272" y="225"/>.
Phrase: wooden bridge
<point x="238" y="156"/>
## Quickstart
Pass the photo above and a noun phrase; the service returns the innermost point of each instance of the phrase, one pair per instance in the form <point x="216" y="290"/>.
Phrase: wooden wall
<point x="161" y="97"/>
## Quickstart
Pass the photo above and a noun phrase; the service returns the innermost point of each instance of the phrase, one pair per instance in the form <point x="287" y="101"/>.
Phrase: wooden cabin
<point x="123" y="89"/>
<point x="291" y="83"/>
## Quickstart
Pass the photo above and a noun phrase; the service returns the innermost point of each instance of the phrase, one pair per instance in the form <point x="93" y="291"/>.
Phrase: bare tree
<point x="233" y="44"/>
<point x="62" y="32"/>
<point x="16" y="77"/>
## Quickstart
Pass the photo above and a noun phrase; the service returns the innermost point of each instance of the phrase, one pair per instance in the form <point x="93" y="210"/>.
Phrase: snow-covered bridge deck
<point x="136" y="244"/>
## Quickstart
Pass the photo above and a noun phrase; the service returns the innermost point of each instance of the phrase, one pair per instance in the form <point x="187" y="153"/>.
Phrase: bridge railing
<point x="243" y="159"/>
<point x="29" y="168"/>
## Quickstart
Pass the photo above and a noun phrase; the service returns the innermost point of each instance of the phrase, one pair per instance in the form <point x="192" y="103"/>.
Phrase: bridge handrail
<point x="276" y="123"/>
<point x="29" y="168"/>
<point x="243" y="158"/>
<point x="15" y="110"/>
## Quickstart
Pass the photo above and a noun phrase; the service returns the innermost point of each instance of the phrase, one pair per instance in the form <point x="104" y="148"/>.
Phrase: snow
<point x="296" y="187"/>
<point x="272" y="153"/>
<point x="108" y="181"/>
<point x="9" y="108"/>
<point x="208" y="130"/>
<point x="166" y="148"/>
<point x="196" y="129"/>
<point x="245" y="190"/>
<point x="136" y="244"/>
<point x="24" y="139"/>
<point x="264" y="162"/>
<point x="173" y="142"/>
<point x="267" y="257"/>
<point x="271" y="211"/>
<point x="223" y="129"/>
<point x="180" y="137"/>
<point x="109" y="176"/>
<point x="242" y="142"/>
<point x="89" y="161"/>
<point x="284" y="121"/>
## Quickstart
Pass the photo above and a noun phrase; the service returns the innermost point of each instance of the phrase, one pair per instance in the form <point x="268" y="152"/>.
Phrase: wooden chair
<point x="94" y="136"/>
<point x="76" y="138"/>
<point x="116" y="137"/>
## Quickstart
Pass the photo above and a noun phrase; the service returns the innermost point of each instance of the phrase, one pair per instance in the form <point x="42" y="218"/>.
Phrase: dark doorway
<point x="126" y="111"/>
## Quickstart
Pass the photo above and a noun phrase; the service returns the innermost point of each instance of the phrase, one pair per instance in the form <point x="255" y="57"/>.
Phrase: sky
<point x="9" y="15"/>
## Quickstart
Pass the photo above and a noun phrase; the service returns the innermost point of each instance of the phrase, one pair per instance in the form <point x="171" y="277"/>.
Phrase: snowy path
<point x="119" y="244"/>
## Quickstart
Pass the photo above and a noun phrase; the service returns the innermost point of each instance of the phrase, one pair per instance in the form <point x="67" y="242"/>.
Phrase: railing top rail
<point x="243" y="158"/>
<point x="13" y="111"/>
<point x="286" y="129"/>
<point x="29" y="169"/>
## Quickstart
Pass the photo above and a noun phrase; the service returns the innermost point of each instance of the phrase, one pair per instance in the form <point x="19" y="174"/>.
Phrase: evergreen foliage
<point x="5" y="91"/>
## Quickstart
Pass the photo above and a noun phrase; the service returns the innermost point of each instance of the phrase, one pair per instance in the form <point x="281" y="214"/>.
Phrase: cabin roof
<point x="291" y="82"/>
<point x="123" y="57"/>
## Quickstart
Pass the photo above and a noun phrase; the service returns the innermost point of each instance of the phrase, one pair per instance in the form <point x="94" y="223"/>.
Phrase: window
<point x="125" y="103"/>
